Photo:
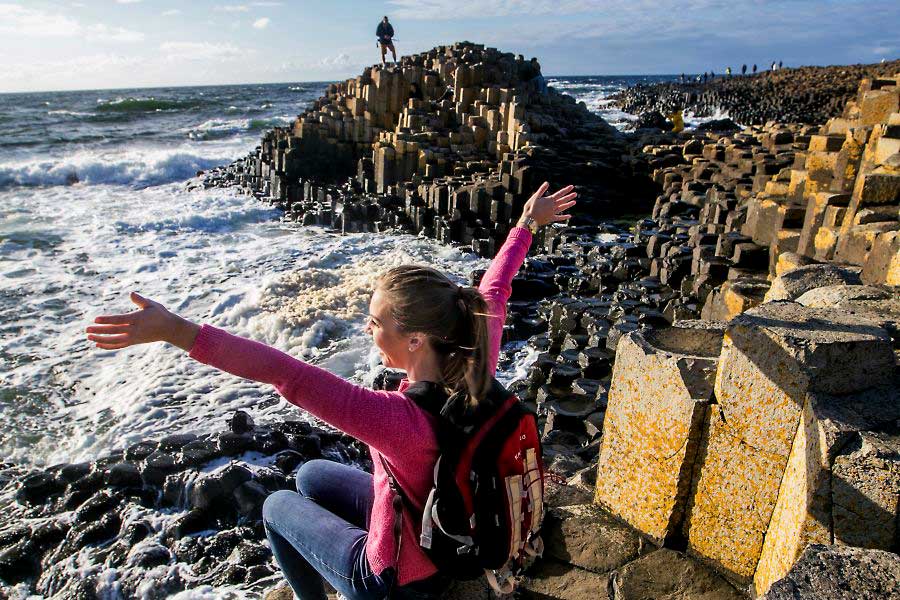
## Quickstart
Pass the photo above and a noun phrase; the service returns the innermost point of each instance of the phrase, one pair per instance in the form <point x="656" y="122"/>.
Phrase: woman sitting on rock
<point x="339" y="525"/>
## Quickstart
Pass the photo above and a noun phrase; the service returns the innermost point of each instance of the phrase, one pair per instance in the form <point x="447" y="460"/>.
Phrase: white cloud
<point x="171" y="12"/>
<point x="104" y="33"/>
<point x="30" y="22"/>
<point x="128" y="1"/>
<point x="266" y="3"/>
<point x="33" y="22"/>
<point x="201" y="51"/>
<point x="261" y="23"/>
<point x="460" y="9"/>
<point x="234" y="8"/>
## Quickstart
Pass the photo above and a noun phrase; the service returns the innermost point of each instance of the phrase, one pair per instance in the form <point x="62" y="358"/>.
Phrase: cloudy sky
<point x="46" y="45"/>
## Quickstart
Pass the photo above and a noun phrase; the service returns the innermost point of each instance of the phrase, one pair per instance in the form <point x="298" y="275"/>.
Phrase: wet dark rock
<point x="241" y="422"/>
<point x="174" y="490"/>
<point x="198" y="452"/>
<point x="272" y="479"/>
<point x="194" y="521"/>
<point x="97" y="532"/>
<point x="123" y="475"/>
<point x="140" y="450"/>
<point x="652" y="119"/>
<point x="269" y="441"/>
<point x="249" y="554"/>
<point x="135" y="531"/>
<point x="187" y="550"/>
<point x="250" y="496"/>
<point x="721" y="125"/>
<point x="74" y="472"/>
<point x="157" y="466"/>
<point x="91" y="482"/>
<point x="148" y="556"/>
<point x="98" y="505"/>
<point x="10" y="536"/>
<point x="218" y="487"/>
<point x="49" y="533"/>
<point x="308" y="445"/>
<point x="231" y="443"/>
<point x="19" y="562"/>
<point x="39" y="487"/>
<point x="176" y="441"/>
<point x="288" y="460"/>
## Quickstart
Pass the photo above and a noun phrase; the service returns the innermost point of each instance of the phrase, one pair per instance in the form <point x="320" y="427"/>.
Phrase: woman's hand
<point x="152" y="323"/>
<point x="548" y="209"/>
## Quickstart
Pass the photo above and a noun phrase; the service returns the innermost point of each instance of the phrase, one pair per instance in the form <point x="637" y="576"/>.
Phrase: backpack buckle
<point x="464" y="550"/>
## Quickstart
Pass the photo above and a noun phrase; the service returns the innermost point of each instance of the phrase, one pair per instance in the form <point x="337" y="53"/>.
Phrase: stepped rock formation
<point x="457" y="166"/>
<point x="789" y="233"/>
<point x="799" y="95"/>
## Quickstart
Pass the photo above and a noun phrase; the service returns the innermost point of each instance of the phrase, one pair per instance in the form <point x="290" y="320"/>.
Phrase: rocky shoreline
<point x="810" y="95"/>
<point x="716" y="383"/>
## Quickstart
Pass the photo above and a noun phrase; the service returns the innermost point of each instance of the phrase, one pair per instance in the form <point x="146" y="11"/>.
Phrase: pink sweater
<point x="388" y="422"/>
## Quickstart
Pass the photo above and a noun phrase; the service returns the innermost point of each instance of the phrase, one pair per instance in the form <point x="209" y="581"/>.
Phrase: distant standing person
<point x="743" y="69"/>
<point x="728" y="71"/>
<point x="385" y="35"/>
<point x="774" y="66"/>
<point x="754" y="69"/>
<point x="780" y="64"/>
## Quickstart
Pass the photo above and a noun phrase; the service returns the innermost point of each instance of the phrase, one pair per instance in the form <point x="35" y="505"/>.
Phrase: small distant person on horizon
<point x="705" y="76"/>
<point x="774" y="66"/>
<point x="385" y="35"/>
<point x="754" y="69"/>
<point x="682" y="79"/>
<point x="780" y="64"/>
<point x="743" y="69"/>
<point x="728" y="71"/>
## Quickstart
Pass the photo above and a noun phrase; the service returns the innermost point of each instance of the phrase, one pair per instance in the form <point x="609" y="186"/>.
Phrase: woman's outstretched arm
<point x="496" y="284"/>
<point x="383" y="420"/>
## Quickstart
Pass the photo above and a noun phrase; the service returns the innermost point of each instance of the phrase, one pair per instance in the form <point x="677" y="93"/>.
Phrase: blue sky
<point x="46" y="45"/>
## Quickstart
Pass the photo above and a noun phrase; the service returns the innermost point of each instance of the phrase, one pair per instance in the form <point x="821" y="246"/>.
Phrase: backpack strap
<point x="397" y="505"/>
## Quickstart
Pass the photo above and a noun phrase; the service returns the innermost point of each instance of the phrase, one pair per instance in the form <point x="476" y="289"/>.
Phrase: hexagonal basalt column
<point x="662" y="383"/>
<point x="772" y="357"/>
<point x="840" y="483"/>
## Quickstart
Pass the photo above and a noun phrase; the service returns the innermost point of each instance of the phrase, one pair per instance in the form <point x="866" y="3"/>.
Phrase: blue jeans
<point x="322" y="531"/>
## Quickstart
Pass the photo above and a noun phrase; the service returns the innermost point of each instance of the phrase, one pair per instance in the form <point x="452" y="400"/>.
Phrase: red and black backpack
<point x="484" y="511"/>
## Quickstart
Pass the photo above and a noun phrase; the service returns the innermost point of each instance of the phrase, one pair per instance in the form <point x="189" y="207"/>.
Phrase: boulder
<point x="772" y="357"/>
<point x="840" y="483"/>
<point x="558" y="580"/>
<point x="840" y="573"/>
<point x="793" y="284"/>
<point x="588" y="537"/>
<point x="670" y="575"/>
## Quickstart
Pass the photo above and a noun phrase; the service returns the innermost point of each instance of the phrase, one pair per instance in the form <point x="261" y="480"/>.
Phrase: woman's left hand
<point x="548" y="209"/>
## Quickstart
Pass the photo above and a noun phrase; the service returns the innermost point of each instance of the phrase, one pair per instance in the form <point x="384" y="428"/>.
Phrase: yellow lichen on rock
<point x="661" y="386"/>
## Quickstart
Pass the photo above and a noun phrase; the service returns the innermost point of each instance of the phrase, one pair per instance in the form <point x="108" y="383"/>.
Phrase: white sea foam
<point x="214" y="256"/>
<point x="138" y="167"/>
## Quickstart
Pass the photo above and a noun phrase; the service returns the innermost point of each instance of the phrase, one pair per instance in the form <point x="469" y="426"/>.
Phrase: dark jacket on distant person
<point x="384" y="32"/>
